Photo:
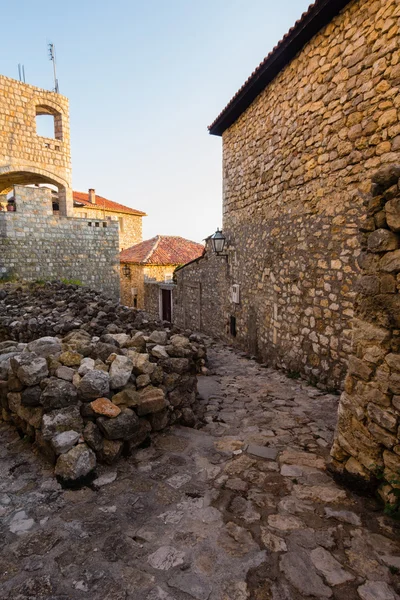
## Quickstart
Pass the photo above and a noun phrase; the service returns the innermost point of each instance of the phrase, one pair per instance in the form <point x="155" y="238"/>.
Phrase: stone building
<point x="301" y="139"/>
<point x="37" y="242"/>
<point x="93" y="206"/>
<point x="25" y="156"/>
<point x="147" y="272"/>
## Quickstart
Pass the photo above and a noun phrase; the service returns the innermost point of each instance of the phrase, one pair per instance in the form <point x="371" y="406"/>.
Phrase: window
<point x="121" y="224"/>
<point x="48" y="123"/>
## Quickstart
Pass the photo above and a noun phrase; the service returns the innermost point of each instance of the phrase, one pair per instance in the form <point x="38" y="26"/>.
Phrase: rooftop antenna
<point x="21" y="72"/>
<point x="52" y="57"/>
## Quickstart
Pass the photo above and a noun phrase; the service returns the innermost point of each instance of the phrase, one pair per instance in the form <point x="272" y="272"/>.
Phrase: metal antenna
<point x="52" y="57"/>
<point x="21" y="72"/>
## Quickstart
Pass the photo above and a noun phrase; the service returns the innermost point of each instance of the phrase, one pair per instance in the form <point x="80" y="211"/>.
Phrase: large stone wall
<point x="36" y="244"/>
<point x="296" y="165"/>
<point x="130" y="232"/>
<point x="25" y="156"/>
<point x="367" y="441"/>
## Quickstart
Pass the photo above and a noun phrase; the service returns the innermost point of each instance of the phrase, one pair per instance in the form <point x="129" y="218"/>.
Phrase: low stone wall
<point x="367" y="445"/>
<point x="83" y="399"/>
<point x="36" y="244"/>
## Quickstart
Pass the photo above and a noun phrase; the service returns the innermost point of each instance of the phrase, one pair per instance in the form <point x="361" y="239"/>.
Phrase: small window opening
<point x="49" y="123"/>
<point x="232" y="326"/>
<point x="97" y="224"/>
<point x="104" y="224"/>
<point x="89" y="224"/>
<point x="121" y="224"/>
<point x="135" y="301"/>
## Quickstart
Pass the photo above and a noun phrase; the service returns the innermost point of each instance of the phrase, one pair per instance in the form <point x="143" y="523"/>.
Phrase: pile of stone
<point x="84" y="398"/>
<point x="31" y="311"/>
<point x="367" y="443"/>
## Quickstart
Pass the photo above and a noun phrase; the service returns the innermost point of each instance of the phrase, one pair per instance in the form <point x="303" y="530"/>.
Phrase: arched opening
<point x="26" y="178"/>
<point x="48" y="122"/>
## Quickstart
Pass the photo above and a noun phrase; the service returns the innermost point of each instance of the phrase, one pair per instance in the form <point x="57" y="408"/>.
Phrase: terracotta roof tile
<point x="105" y="204"/>
<point x="162" y="250"/>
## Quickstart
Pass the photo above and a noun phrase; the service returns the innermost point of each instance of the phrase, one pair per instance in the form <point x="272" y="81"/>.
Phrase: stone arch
<point x="23" y="175"/>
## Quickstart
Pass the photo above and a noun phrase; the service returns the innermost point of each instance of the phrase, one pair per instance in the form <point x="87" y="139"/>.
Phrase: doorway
<point x="166" y="305"/>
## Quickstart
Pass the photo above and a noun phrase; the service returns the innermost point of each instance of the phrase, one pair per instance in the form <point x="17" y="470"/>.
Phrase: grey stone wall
<point x="367" y="441"/>
<point x="35" y="244"/>
<point x="200" y="298"/>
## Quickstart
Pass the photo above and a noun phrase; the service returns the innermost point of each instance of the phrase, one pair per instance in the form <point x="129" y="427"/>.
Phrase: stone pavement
<point x="241" y="509"/>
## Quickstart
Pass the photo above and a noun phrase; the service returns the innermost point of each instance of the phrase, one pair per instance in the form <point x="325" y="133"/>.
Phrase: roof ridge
<point x="152" y="249"/>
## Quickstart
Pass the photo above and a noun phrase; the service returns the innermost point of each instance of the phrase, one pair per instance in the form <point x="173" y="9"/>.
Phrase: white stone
<point x="376" y="590"/>
<point x="21" y="523"/>
<point x="165" y="558"/>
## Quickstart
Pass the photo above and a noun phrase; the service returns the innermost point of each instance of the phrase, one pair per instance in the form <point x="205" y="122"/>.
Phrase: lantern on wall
<point x="218" y="242"/>
<point x="126" y="270"/>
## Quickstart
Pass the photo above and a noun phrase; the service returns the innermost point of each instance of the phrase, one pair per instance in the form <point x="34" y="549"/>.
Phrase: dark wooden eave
<point x="317" y="16"/>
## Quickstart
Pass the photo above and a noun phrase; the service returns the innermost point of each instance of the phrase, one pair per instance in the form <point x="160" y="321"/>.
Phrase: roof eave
<point x="313" y="21"/>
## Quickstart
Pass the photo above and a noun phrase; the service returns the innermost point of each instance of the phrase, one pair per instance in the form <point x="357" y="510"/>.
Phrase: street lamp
<point x="218" y="242"/>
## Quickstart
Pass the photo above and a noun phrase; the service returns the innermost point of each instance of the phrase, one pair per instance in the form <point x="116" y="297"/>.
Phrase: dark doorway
<point x="232" y="326"/>
<point x="166" y="305"/>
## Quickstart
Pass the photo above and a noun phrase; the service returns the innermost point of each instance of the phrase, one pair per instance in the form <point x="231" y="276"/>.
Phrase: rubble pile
<point x="34" y="310"/>
<point x="84" y="398"/>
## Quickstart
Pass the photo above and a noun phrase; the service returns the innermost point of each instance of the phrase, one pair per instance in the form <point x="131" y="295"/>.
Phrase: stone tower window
<point x="48" y="122"/>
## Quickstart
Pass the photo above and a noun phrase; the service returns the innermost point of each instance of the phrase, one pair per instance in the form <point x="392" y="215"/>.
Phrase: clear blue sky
<point x="144" y="79"/>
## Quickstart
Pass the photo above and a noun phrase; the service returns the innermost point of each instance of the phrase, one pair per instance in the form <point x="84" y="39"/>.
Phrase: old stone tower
<point x="26" y="157"/>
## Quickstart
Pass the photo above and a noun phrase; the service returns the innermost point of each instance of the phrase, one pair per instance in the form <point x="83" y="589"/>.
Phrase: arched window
<point x="48" y="122"/>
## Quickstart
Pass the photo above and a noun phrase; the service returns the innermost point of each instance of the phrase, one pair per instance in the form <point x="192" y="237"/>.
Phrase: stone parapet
<point x="367" y="441"/>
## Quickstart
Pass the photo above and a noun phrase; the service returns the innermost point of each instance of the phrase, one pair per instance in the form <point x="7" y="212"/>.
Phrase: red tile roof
<point x="162" y="250"/>
<point x="105" y="204"/>
<point x="318" y="14"/>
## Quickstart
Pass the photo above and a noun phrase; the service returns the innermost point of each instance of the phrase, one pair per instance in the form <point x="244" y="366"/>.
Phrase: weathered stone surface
<point x="95" y="384"/>
<point x="87" y="364"/>
<point x="70" y="358"/>
<point x="175" y="365"/>
<point x="93" y="437"/>
<point x="295" y="457"/>
<point x="45" y="346"/>
<point x="329" y="567"/>
<point x="141" y="363"/>
<point x="393" y="214"/>
<point x="111" y="450"/>
<point x="61" y="420"/>
<point x="21" y="523"/>
<point x="120" y="372"/>
<point x="29" y="368"/>
<point x="128" y="397"/>
<point x="165" y="558"/>
<point x="376" y="590"/>
<point x="103" y="406"/>
<point x="31" y="396"/>
<point x="75" y="464"/>
<point x="382" y="240"/>
<point x="63" y="442"/>
<point x="320" y="493"/>
<point x="105" y="479"/>
<point x="159" y="351"/>
<point x="121" y="427"/>
<point x="151" y="400"/>
<point x="65" y="373"/>
<point x="343" y="515"/>
<point x="58" y="394"/>
<point x="299" y="570"/>
<point x="158" y="337"/>
<point x="197" y="587"/>
<point x="390" y="262"/>
<point x="386" y="176"/>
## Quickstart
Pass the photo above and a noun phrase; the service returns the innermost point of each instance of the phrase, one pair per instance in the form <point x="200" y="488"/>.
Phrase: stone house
<point x="301" y="140"/>
<point x="92" y="206"/>
<point x="147" y="272"/>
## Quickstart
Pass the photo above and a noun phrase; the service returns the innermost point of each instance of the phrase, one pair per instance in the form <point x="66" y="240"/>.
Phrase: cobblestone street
<point x="242" y="508"/>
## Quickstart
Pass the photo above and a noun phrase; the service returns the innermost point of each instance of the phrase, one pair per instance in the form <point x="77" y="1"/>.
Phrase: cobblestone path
<point x="242" y="508"/>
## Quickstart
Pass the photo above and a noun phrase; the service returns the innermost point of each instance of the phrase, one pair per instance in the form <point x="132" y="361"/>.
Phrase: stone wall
<point x="36" y="244"/>
<point x="130" y="228"/>
<point x="199" y="298"/>
<point x="367" y="440"/>
<point x="136" y="281"/>
<point x="26" y="157"/>
<point x="132" y="285"/>
<point x="296" y="165"/>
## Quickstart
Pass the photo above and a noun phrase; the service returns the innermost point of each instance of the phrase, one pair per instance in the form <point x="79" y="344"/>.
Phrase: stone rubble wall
<point x="200" y="295"/>
<point x="22" y="150"/>
<point x="367" y="440"/>
<point x="131" y="232"/>
<point x="36" y="244"/>
<point x="296" y="166"/>
<point x="84" y="398"/>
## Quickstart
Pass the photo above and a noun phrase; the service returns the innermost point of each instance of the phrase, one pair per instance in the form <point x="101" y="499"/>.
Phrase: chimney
<point x="92" y="196"/>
